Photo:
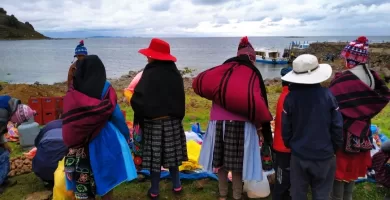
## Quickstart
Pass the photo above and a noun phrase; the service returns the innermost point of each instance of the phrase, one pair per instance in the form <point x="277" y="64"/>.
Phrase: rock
<point x="277" y="79"/>
<point x="386" y="73"/>
<point x="44" y="195"/>
<point x="1" y="87"/>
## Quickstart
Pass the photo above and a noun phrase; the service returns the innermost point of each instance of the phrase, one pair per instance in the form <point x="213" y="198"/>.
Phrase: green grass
<point x="197" y="110"/>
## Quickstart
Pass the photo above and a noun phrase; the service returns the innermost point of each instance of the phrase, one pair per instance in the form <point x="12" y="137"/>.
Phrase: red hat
<point x="159" y="50"/>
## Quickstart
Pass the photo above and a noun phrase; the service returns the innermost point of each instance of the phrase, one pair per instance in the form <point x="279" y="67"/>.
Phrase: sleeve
<point x="3" y="139"/>
<point x="119" y="122"/>
<point x="72" y="70"/>
<point x="267" y="133"/>
<point x="336" y="129"/>
<point x="287" y="132"/>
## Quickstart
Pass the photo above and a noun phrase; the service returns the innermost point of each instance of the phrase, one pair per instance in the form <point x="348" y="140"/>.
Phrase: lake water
<point x="48" y="61"/>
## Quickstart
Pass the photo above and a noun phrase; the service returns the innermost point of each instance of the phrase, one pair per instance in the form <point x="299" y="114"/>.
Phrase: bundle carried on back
<point x="237" y="86"/>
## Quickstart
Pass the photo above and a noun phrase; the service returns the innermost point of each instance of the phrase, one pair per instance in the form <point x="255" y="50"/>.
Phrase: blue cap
<point x="285" y="70"/>
<point x="80" y="49"/>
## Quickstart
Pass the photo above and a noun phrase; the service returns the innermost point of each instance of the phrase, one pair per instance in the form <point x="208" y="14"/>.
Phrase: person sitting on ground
<point x="231" y="142"/>
<point x="80" y="52"/>
<point x="381" y="165"/>
<point x="282" y="153"/>
<point x="96" y="134"/>
<point x="159" y="107"/>
<point x="311" y="128"/>
<point x="361" y="94"/>
<point x="12" y="110"/>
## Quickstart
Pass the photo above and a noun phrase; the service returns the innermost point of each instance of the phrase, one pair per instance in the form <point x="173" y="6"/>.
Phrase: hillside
<point x="12" y="29"/>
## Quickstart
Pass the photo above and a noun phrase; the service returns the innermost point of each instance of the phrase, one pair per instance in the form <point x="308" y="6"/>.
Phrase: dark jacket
<point x="160" y="92"/>
<point x="311" y="122"/>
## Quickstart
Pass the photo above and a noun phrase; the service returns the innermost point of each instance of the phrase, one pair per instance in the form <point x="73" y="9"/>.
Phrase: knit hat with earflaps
<point x="246" y="48"/>
<point x="356" y="52"/>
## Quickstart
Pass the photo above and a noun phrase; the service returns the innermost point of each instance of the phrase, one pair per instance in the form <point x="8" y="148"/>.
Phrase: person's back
<point x="311" y="128"/>
<point x="311" y="108"/>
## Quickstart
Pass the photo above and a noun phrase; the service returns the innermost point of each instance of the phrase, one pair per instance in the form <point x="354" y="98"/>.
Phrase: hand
<point x="260" y="134"/>
<point x="7" y="147"/>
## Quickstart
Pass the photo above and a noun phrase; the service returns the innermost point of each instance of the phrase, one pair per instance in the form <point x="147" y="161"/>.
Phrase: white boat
<point x="269" y="56"/>
<point x="302" y="46"/>
<point x="298" y="45"/>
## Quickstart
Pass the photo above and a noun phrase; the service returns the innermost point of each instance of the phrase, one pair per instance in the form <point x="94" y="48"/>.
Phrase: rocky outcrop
<point x="379" y="55"/>
<point x="11" y="28"/>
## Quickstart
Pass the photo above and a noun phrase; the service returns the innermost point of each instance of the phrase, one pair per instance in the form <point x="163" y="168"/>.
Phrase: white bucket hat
<point x="307" y="70"/>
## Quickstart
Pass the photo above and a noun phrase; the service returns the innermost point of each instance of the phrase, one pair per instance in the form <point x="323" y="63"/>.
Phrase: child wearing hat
<point x="80" y="52"/>
<point x="311" y="128"/>
<point x="282" y="154"/>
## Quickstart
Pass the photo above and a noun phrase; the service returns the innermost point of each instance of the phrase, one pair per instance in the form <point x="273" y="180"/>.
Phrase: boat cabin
<point x="267" y="54"/>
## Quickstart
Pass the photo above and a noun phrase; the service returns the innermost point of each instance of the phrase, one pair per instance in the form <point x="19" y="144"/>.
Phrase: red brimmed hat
<point x="158" y="49"/>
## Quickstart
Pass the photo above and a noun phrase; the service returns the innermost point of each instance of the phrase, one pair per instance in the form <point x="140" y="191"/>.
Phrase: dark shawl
<point x="8" y="106"/>
<point x="86" y="110"/>
<point x="358" y="104"/>
<point x="381" y="168"/>
<point x="159" y="93"/>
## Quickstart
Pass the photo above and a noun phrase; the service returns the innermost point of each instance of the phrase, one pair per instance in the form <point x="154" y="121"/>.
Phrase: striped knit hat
<point x="80" y="49"/>
<point x="23" y="113"/>
<point x="245" y="48"/>
<point x="356" y="52"/>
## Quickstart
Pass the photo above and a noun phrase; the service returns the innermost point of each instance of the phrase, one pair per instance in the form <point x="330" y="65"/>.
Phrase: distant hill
<point x="11" y="28"/>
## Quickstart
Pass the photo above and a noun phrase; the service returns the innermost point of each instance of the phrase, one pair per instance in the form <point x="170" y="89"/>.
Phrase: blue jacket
<point x="311" y="122"/>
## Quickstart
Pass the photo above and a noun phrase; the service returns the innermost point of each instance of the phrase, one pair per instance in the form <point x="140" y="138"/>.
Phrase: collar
<point x="285" y="89"/>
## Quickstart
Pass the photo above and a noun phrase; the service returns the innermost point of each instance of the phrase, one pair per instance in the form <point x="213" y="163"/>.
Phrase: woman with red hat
<point x="351" y="89"/>
<point x="159" y="107"/>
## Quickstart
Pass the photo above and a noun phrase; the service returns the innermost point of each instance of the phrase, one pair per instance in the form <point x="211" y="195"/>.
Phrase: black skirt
<point x="164" y="144"/>
<point x="229" y="145"/>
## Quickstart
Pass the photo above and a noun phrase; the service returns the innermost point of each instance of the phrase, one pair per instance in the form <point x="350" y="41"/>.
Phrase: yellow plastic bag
<point x="59" y="190"/>
<point x="193" y="151"/>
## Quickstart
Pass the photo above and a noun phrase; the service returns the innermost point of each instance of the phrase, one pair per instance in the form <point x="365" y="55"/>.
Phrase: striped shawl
<point x="358" y="104"/>
<point x="84" y="116"/>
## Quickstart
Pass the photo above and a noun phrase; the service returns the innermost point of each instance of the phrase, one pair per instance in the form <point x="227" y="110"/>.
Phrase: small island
<point x="12" y="29"/>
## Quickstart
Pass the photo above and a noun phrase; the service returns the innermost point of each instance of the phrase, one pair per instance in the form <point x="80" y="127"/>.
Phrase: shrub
<point x="12" y="21"/>
<point x="29" y="25"/>
<point x="2" y="11"/>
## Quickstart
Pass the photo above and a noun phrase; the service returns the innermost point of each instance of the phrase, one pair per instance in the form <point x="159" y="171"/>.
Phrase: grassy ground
<point x="197" y="110"/>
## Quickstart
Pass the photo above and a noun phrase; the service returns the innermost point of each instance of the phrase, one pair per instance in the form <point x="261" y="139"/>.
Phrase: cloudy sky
<point x="71" y="18"/>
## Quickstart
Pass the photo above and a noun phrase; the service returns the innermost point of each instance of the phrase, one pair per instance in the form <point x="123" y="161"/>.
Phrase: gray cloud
<point x="203" y="17"/>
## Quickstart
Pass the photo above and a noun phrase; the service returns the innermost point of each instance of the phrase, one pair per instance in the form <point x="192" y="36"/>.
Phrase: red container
<point x="48" y="103"/>
<point x="59" y="102"/>
<point x="49" y="116"/>
<point x="124" y="114"/>
<point x="35" y="103"/>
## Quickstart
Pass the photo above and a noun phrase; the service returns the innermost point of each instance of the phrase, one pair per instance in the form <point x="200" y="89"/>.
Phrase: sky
<point x="203" y="18"/>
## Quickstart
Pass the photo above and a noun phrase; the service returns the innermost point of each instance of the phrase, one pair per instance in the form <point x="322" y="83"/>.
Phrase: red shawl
<point x="84" y="116"/>
<point x="238" y="87"/>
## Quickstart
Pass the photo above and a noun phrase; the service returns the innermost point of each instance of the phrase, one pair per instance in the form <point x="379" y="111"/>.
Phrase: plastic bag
<point x="31" y="154"/>
<point x="257" y="189"/>
<point x="59" y="189"/>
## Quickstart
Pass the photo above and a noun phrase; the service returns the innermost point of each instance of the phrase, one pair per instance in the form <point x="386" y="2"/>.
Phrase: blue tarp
<point x="184" y="176"/>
